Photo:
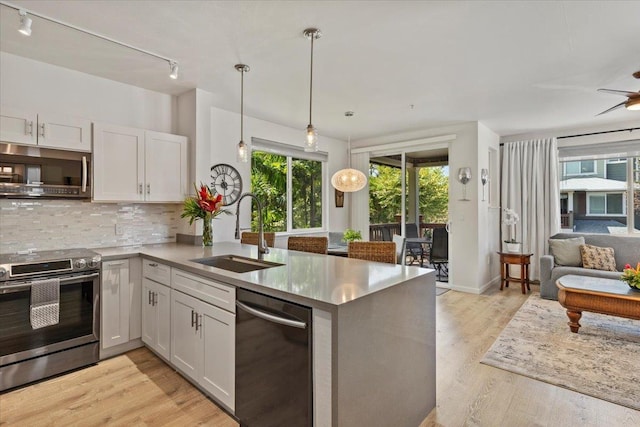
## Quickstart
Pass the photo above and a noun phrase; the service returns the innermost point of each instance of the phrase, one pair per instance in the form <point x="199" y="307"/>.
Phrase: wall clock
<point x="226" y="182"/>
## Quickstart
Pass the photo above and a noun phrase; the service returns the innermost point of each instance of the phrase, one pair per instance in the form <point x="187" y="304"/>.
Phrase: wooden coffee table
<point x="596" y="295"/>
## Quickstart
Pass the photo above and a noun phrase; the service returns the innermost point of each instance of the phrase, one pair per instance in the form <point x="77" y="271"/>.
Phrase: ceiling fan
<point x="633" y="101"/>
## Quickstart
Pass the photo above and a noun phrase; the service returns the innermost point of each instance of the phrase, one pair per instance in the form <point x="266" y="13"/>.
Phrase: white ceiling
<point x="518" y="66"/>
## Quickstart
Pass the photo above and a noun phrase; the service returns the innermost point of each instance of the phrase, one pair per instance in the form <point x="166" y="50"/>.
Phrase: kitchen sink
<point x="235" y="263"/>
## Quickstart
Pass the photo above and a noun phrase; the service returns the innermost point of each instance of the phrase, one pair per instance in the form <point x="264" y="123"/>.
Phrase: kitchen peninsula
<point x="373" y="326"/>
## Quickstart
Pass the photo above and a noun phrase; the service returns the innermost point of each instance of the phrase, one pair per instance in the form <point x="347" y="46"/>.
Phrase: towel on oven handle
<point x="45" y="303"/>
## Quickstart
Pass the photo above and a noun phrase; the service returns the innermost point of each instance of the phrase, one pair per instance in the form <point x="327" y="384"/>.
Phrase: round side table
<point x="523" y="260"/>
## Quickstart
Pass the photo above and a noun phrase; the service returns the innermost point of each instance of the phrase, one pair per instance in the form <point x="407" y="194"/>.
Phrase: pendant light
<point x="244" y="150"/>
<point x="311" y="142"/>
<point x="349" y="180"/>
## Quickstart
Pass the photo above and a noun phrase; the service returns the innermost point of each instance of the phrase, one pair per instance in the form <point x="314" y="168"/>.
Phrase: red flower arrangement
<point x="203" y="206"/>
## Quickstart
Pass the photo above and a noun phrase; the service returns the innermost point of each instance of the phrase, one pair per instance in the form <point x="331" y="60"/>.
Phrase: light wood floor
<point x="139" y="389"/>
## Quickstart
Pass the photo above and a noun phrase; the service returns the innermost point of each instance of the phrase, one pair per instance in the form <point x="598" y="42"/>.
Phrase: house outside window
<point x="600" y="194"/>
<point x="289" y="185"/>
<point x="606" y="204"/>
<point x="581" y="167"/>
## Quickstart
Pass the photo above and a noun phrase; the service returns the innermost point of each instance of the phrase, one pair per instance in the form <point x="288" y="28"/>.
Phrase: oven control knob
<point x="93" y="262"/>
<point x="3" y="271"/>
<point x="81" y="263"/>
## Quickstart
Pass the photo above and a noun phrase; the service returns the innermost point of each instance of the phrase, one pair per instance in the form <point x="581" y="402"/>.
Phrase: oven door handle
<point x="26" y="285"/>
<point x="76" y="278"/>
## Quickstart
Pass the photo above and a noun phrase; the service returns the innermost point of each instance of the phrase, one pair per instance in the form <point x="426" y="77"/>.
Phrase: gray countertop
<point x="323" y="281"/>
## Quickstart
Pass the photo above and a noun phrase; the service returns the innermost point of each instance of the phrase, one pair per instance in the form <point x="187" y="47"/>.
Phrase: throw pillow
<point x="598" y="258"/>
<point x="567" y="251"/>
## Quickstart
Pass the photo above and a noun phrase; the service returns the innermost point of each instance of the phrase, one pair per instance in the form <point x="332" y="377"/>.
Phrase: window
<point x="605" y="204"/>
<point x="582" y="167"/>
<point x="290" y="184"/>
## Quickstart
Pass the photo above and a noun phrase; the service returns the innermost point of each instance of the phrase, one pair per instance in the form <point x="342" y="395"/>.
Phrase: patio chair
<point x="251" y="238"/>
<point x="400" y="249"/>
<point x="440" y="252"/>
<point x="317" y="245"/>
<point x="373" y="251"/>
<point x="414" y="249"/>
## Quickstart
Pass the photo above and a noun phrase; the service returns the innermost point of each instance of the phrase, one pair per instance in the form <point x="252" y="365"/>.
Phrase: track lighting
<point x="174" y="69"/>
<point x="25" y="23"/>
<point x="25" y="28"/>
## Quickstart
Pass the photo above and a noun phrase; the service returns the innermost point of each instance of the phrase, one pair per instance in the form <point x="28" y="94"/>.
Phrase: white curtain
<point x="530" y="187"/>
<point x="360" y="199"/>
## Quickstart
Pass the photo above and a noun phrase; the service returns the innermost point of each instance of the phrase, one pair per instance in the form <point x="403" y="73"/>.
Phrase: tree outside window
<point x="269" y="182"/>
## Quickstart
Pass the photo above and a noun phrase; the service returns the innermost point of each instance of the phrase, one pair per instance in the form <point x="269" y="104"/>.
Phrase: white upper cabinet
<point x="136" y="165"/>
<point x="166" y="167"/>
<point x="19" y="127"/>
<point x="45" y="129"/>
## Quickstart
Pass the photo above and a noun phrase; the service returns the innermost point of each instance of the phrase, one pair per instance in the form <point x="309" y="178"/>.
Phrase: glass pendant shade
<point x="349" y="180"/>
<point x="311" y="142"/>
<point x="242" y="155"/>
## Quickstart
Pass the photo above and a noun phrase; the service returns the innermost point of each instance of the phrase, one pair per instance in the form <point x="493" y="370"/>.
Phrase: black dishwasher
<point x="273" y="362"/>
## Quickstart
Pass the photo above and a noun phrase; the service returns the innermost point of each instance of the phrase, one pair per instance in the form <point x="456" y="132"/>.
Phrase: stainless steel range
<point x="49" y="314"/>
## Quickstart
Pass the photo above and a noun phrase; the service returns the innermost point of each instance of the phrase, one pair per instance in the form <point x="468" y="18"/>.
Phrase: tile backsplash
<point x="61" y="224"/>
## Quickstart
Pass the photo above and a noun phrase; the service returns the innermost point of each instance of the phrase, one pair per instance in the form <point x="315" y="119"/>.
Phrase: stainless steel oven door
<point x="79" y="318"/>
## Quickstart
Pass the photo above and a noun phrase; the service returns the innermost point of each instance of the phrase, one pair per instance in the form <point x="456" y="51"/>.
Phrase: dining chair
<point x="400" y="249"/>
<point x="439" y="257"/>
<point x="373" y="251"/>
<point x="251" y="238"/>
<point x="386" y="234"/>
<point x="317" y="245"/>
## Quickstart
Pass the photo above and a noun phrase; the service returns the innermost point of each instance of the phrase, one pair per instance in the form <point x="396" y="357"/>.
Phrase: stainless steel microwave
<point x="34" y="172"/>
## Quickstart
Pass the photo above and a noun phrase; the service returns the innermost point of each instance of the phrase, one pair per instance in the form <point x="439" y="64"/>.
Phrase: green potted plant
<point x="351" y="235"/>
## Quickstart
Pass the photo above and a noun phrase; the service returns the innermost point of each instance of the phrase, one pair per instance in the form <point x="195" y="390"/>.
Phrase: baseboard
<point x="493" y="282"/>
<point x="120" y="349"/>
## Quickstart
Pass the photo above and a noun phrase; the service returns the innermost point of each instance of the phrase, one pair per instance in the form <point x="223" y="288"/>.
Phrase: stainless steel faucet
<point x="262" y="244"/>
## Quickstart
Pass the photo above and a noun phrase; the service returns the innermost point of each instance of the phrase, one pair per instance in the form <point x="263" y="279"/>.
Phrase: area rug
<point x="602" y="360"/>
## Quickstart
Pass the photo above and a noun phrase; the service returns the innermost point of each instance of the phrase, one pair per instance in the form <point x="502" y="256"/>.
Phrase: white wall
<point x="586" y="140"/>
<point x="217" y="133"/>
<point x="39" y="87"/>
<point x="488" y="216"/>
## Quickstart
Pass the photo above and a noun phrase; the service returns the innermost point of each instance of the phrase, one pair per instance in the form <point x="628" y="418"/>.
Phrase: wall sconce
<point x="464" y="176"/>
<point x="339" y="198"/>
<point x="484" y="178"/>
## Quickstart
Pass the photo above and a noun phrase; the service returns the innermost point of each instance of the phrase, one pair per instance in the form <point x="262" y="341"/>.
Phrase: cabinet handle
<point x="155" y="298"/>
<point x="149" y="292"/>
<point x="148" y="188"/>
<point x="140" y="188"/>
<point x="198" y="321"/>
<point x="28" y="128"/>
<point x="193" y="320"/>
<point x="42" y="130"/>
<point x="153" y="264"/>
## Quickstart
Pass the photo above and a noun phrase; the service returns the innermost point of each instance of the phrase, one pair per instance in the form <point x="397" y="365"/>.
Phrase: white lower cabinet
<point x="156" y="317"/>
<point x="203" y="339"/>
<point x="115" y="296"/>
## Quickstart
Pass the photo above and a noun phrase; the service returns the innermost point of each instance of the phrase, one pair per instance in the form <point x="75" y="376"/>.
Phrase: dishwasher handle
<point x="271" y="318"/>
